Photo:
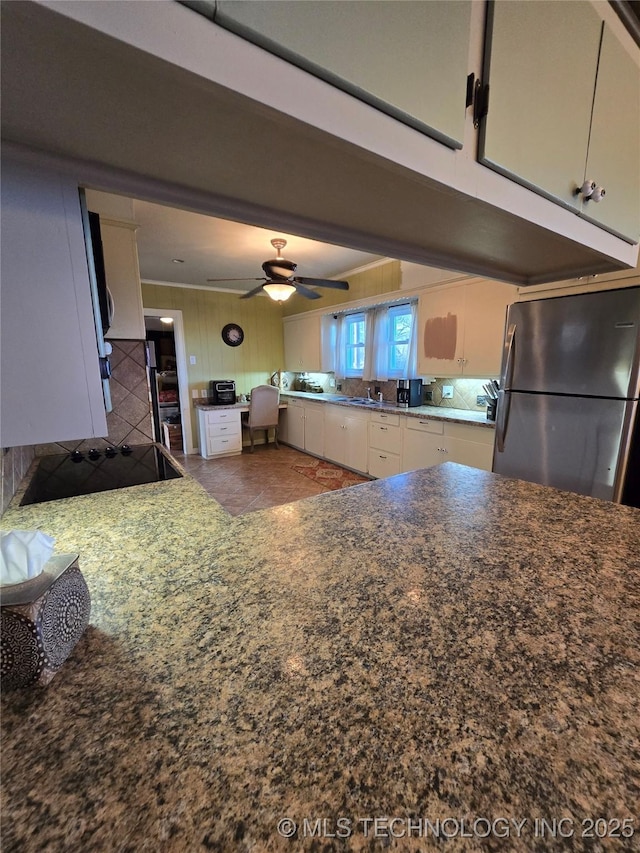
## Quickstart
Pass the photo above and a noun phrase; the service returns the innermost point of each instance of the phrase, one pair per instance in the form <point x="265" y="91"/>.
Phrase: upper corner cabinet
<point x="564" y="108"/>
<point x="406" y="58"/>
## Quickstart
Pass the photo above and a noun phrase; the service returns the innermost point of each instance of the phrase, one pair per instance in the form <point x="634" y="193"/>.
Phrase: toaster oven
<point x="222" y="392"/>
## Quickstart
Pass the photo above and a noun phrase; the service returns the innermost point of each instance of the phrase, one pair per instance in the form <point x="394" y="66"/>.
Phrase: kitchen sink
<point x="363" y="401"/>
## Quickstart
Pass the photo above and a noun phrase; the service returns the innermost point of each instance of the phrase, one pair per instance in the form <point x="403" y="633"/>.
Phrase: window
<point x="398" y="340"/>
<point x="353" y="336"/>
<point x="376" y="343"/>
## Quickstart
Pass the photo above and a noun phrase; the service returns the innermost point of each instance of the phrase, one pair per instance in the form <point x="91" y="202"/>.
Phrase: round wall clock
<point x="232" y="335"/>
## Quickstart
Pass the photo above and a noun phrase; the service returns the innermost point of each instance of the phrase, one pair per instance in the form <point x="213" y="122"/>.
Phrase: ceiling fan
<point x="279" y="281"/>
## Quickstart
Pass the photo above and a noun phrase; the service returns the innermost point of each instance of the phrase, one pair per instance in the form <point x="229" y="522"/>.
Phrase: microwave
<point x="222" y="392"/>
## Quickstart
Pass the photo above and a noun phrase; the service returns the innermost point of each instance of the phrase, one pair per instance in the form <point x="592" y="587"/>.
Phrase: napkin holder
<point x="41" y="620"/>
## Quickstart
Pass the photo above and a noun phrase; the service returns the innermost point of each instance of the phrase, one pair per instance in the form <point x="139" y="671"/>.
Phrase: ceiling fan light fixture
<point x="278" y="291"/>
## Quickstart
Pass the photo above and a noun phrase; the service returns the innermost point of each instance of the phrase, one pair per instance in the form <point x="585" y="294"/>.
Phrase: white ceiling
<point x="220" y="248"/>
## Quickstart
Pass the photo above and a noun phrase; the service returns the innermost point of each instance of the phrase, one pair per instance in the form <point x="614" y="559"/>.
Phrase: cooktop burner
<point x="67" y="475"/>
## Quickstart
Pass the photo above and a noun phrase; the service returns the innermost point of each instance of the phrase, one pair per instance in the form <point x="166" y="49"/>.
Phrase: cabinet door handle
<point x="382" y="457"/>
<point x="384" y="429"/>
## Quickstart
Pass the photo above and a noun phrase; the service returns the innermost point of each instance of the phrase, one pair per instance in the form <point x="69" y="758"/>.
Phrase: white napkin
<point x="23" y="554"/>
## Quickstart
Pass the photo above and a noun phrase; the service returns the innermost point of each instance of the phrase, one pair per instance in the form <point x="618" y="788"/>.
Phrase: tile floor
<point x="253" y="481"/>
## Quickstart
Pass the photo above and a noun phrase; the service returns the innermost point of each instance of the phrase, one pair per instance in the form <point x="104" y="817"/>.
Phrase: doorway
<point x="168" y="380"/>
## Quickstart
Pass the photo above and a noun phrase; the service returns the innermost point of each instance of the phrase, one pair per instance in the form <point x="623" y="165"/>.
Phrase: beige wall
<point x="204" y="313"/>
<point x="384" y="278"/>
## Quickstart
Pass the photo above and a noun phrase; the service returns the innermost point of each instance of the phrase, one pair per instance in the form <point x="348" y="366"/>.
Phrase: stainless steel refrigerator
<point x="568" y="406"/>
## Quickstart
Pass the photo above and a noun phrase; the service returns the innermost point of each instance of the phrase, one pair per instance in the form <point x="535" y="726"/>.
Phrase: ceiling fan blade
<point x="304" y="291"/>
<point x="321" y="282"/>
<point x="253" y="292"/>
<point x="261" y="278"/>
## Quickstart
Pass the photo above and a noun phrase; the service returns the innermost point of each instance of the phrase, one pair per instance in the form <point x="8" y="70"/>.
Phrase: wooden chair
<point x="263" y="412"/>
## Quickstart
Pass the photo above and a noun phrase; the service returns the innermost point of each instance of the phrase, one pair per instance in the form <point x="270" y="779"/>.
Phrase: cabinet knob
<point x="590" y="191"/>
<point x="586" y="190"/>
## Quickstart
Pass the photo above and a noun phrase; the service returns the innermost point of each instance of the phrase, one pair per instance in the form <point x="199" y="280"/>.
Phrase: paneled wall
<point x="204" y="313"/>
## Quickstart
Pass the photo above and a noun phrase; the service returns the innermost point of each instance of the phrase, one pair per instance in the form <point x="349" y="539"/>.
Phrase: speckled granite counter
<point x="446" y="645"/>
<point x="436" y="413"/>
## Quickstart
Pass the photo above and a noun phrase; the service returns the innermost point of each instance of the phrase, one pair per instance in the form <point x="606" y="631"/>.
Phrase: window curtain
<point x="377" y="350"/>
<point x="329" y="326"/>
<point x="332" y="345"/>
<point x="412" y="363"/>
<point x="377" y="353"/>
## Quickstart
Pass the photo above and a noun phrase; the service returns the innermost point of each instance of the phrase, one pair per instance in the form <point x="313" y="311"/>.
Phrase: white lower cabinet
<point x="382" y="443"/>
<point x="220" y="432"/>
<point x="302" y="426"/>
<point x="291" y="429"/>
<point x="428" y="442"/>
<point x="470" y="445"/>
<point x="422" y="443"/>
<point x="346" y="438"/>
<point x="385" y="444"/>
<point x="314" y="428"/>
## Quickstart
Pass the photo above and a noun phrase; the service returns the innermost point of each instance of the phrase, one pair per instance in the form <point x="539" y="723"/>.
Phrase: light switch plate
<point x="447" y="392"/>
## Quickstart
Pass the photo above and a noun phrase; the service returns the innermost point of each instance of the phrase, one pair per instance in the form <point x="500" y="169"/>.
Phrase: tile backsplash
<point x="465" y="391"/>
<point x="15" y="463"/>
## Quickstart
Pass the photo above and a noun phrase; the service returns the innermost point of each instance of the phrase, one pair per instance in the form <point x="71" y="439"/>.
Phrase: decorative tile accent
<point x="15" y="462"/>
<point x="465" y="392"/>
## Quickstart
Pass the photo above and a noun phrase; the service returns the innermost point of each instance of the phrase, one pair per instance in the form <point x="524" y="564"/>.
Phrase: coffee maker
<point x="409" y="393"/>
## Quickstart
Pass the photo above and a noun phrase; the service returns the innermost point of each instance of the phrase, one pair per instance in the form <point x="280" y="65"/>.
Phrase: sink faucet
<point x="368" y="393"/>
<point x="380" y="400"/>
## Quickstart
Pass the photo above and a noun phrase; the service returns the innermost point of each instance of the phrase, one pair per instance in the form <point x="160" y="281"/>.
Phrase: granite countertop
<point x="435" y="413"/>
<point x="446" y="645"/>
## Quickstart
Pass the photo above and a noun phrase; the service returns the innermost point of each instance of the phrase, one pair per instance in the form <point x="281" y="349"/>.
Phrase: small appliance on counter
<point x="409" y="393"/>
<point x="222" y="392"/>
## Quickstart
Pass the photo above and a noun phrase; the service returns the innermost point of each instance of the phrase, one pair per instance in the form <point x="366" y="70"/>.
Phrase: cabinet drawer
<point x="425" y="425"/>
<point x="478" y="434"/>
<point x="383" y="464"/>
<point x="385" y="437"/>
<point x="225" y="428"/>
<point x="385" y="418"/>
<point x="223" y="416"/>
<point x="224" y="444"/>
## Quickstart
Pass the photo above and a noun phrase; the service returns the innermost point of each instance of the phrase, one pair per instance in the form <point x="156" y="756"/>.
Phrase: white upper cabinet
<point x="563" y="108"/>
<point x="409" y="59"/>
<point x="614" y="146"/>
<point x="122" y="270"/>
<point x="123" y="280"/>
<point x="461" y="328"/>
<point x="302" y="343"/>
<point x="51" y="386"/>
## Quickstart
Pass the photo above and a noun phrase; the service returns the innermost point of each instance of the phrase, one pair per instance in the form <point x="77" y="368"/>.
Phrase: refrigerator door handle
<point x="504" y="395"/>
<point x="504" y="404"/>
<point x="509" y="345"/>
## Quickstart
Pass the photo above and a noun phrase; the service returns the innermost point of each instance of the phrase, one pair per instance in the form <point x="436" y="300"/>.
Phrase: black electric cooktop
<point x="67" y="475"/>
